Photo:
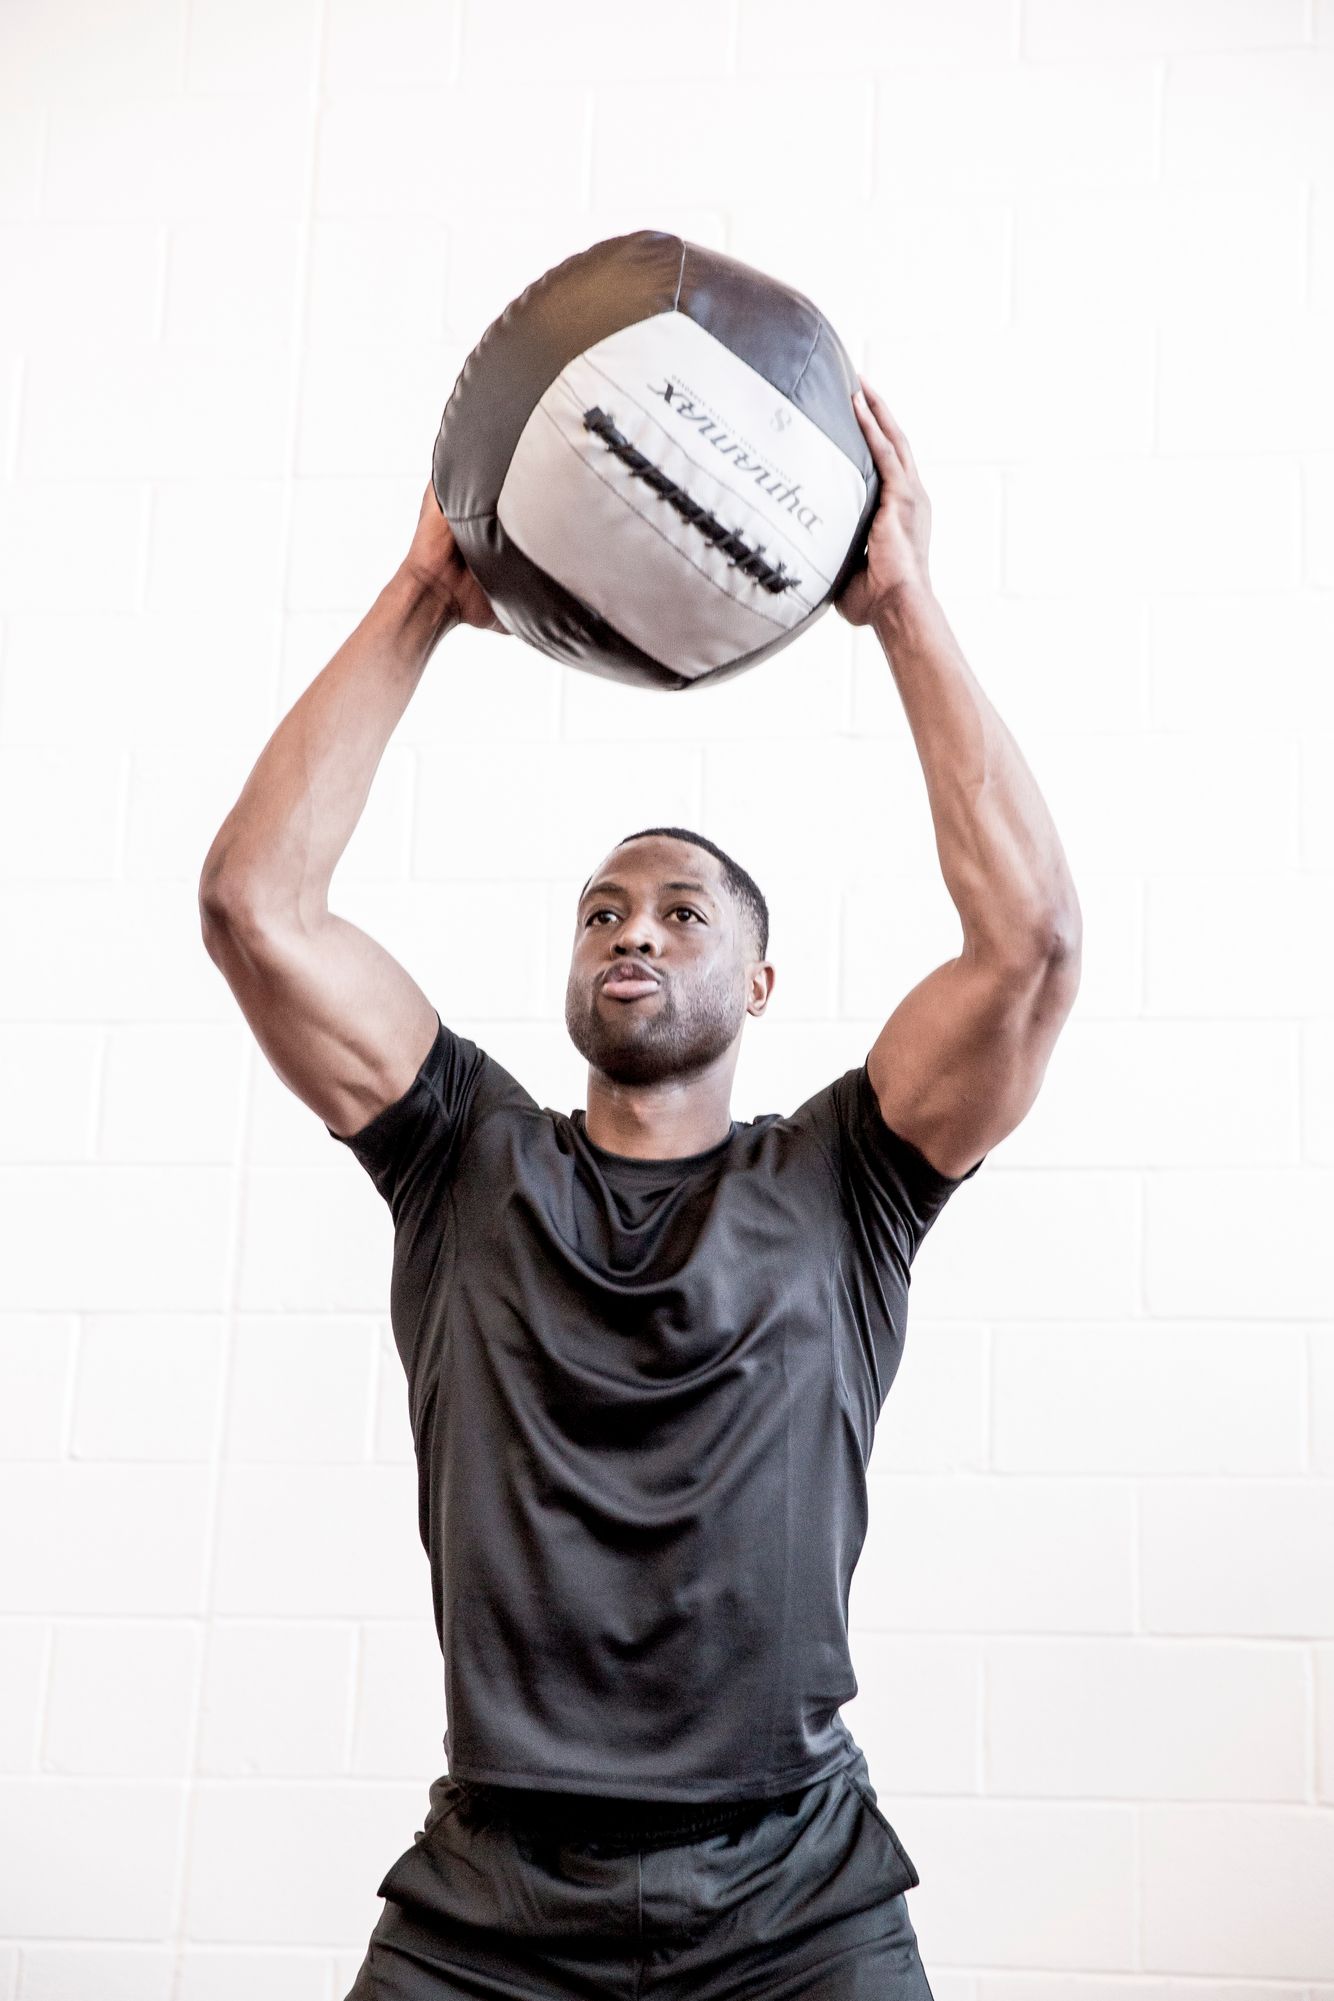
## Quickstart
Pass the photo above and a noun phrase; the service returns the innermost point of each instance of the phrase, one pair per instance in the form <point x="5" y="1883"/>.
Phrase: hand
<point x="901" y="526"/>
<point x="435" y="562"/>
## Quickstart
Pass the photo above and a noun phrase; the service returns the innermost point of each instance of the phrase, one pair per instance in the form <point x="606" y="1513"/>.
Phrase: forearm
<point x="1000" y="854"/>
<point x="278" y="847"/>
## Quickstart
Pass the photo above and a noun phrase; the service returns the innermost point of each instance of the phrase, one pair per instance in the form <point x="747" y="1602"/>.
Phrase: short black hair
<point x="742" y="887"/>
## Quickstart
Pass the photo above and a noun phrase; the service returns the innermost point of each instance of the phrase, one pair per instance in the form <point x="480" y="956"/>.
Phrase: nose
<point x="637" y="936"/>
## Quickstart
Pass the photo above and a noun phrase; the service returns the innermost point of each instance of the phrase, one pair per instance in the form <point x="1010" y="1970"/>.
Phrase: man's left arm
<point x="960" y="1060"/>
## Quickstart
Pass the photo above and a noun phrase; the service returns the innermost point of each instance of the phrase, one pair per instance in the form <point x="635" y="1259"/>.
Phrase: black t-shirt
<point x="643" y="1395"/>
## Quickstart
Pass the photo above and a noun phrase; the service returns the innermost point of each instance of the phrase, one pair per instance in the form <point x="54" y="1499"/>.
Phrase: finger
<point x="892" y="430"/>
<point x="883" y="456"/>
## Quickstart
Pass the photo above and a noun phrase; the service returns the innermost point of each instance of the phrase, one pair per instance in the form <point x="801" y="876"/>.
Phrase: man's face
<point x="661" y="909"/>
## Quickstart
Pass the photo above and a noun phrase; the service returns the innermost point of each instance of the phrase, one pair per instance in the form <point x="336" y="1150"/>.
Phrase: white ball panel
<point x="704" y="418"/>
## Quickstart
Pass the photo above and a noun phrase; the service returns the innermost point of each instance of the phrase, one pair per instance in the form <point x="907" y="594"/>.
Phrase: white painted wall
<point x="1087" y="253"/>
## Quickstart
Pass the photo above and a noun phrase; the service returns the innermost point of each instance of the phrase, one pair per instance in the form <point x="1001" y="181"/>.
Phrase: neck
<point x="663" y="1121"/>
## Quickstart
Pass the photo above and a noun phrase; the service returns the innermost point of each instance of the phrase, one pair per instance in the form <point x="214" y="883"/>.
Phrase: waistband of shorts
<point x="597" y="1819"/>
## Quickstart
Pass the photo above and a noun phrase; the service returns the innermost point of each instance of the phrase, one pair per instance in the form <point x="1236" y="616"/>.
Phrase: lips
<point x="633" y="978"/>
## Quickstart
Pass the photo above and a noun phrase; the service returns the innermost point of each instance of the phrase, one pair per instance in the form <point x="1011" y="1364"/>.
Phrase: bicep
<point x="961" y="1059"/>
<point x="342" y="1024"/>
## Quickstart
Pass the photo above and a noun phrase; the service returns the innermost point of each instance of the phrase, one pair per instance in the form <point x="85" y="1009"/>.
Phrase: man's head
<point x="674" y="906"/>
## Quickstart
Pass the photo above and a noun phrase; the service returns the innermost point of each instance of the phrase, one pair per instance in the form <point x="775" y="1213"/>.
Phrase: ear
<point x="762" y="977"/>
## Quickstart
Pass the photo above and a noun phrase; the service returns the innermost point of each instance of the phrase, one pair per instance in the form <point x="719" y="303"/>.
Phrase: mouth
<point x="630" y="985"/>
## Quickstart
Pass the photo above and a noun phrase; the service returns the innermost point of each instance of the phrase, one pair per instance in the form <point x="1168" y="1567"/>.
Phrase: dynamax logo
<point x="730" y="542"/>
<point x="684" y="407"/>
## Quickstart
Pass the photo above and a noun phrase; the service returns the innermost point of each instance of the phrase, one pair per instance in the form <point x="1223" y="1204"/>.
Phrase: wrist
<point x="907" y="607"/>
<point x="423" y="601"/>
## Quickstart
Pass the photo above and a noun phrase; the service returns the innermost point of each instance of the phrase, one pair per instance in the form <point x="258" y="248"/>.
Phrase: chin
<point x="659" y="1045"/>
<point x="633" y="1061"/>
<point x="646" y="1066"/>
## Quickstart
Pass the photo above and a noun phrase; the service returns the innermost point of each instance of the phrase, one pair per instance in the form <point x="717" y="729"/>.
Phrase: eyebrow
<point x="607" y="888"/>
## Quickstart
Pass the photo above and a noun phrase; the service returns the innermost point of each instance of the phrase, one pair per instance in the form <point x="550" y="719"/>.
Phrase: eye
<point x="688" y="911"/>
<point x="593" y="915"/>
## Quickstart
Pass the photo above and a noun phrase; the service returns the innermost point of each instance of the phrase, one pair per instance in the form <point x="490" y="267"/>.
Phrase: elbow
<point x="218" y="873"/>
<point x="219" y="893"/>
<point x="1052" y="926"/>
<point x="237" y="927"/>
<point x="243" y="912"/>
<point x="1062" y="936"/>
<point x="1061" y="932"/>
<point x="1040" y="949"/>
<point x="221" y="916"/>
<point x="229" y="903"/>
<point x="231" y="878"/>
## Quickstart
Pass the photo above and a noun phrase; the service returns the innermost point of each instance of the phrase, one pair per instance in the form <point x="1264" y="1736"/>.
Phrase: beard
<point x="663" y="1036"/>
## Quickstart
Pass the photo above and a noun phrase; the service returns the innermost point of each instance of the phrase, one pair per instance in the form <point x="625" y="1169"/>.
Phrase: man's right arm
<point x="342" y="1023"/>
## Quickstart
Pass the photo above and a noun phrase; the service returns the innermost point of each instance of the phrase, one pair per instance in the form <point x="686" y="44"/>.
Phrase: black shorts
<point x="800" y="1899"/>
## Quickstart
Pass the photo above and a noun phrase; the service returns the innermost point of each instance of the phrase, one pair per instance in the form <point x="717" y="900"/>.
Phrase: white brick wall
<point x="1087" y="251"/>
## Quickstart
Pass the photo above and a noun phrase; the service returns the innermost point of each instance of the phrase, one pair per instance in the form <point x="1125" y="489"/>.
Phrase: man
<point x="646" y="1345"/>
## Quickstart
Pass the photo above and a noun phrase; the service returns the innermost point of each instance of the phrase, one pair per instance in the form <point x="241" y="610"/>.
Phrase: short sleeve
<point x="888" y="1192"/>
<point x="411" y="1144"/>
<point x="887" y="1195"/>
<point x="896" y="1191"/>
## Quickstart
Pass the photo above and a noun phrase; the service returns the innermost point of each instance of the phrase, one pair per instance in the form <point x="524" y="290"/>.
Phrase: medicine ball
<point x="652" y="465"/>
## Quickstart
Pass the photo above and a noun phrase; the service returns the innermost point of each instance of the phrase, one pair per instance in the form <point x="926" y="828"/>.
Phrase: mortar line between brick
<point x="18" y="399"/>
<point x="1301" y="1031"/>
<point x="71" y="1388"/>
<point x="586" y="161"/>
<point x="190" y="1800"/>
<point x="160" y="299"/>
<point x="1137" y="1887"/>
<point x="121" y="830"/>
<point x="237" y="1208"/>
<point x="983" y="1694"/>
<point x="356" y="1673"/>
<point x="456" y="43"/>
<point x="97" y="1094"/>
<point x="1311" y="1691"/>
<point x="43" y="161"/>
<point x="44" y="1685"/>
<point x="1002" y="538"/>
<point x="1142" y="1245"/>
<point x="1136" y="1594"/>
